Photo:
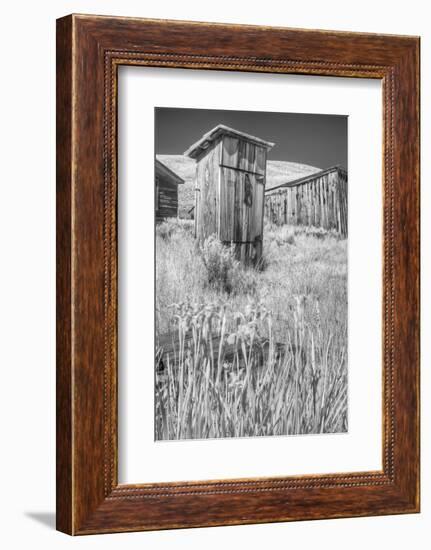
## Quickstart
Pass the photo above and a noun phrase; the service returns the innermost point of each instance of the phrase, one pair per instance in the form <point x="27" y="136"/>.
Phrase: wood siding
<point x="319" y="200"/>
<point x="230" y="183"/>
<point x="207" y="193"/>
<point x="166" y="198"/>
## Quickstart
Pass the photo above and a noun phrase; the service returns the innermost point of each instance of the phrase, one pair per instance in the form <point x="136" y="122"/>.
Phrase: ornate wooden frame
<point x="89" y="51"/>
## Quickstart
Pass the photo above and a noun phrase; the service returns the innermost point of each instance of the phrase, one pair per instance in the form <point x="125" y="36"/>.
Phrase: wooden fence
<point x="318" y="200"/>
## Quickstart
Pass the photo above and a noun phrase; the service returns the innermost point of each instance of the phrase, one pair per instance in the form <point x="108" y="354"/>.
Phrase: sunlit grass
<point x="286" y="325"/>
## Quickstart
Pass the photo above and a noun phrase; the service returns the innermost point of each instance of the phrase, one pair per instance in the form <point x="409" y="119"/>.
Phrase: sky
<point x="317" y="140"/>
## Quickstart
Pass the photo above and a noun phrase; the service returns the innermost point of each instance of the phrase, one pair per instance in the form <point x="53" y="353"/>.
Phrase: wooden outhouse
<point x="166" y="191"/>
<point x="230" y="187"/>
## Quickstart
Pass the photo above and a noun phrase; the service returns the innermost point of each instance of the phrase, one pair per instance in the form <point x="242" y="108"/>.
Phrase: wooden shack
<point x="166" y="192"/>
<point x="318" y="200"/>
<point x="230" y="187"/>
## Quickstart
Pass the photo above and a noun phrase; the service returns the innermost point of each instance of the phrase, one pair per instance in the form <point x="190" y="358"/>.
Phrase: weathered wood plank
<point x="239" y="197"/>
<point x="245" y="218"/>
<point x="230" y="151"/>
<point x="260" y="162"/>
<point x="227" y="204"/>
<point x="319" y="200"/>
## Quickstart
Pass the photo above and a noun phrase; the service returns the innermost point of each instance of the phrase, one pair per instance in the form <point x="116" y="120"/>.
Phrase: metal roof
<point x="205" y="141"/>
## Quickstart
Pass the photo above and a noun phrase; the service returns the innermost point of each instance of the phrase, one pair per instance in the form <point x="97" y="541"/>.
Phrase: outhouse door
<point x="242" y="186"/>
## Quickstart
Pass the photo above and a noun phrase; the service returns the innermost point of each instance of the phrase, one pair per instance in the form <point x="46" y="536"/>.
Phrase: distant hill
<point x="278" y="172"/>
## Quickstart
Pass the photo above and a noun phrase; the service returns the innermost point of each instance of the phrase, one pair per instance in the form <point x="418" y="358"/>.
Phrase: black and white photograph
<point x="251" y="229"/>
<point x="214" y="236"/>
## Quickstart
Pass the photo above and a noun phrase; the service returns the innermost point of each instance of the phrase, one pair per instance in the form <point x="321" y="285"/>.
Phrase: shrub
<point x="244" y="281"/>
<point x="220" y="264"/>
<point x="171" y="226"/>
<point x="286" y="235"/>
<point x="164" y="229"/>
<point x="317" y="232"/>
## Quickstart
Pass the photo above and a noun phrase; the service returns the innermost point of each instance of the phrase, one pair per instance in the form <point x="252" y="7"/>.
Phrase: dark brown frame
<point x="89" y="51"/>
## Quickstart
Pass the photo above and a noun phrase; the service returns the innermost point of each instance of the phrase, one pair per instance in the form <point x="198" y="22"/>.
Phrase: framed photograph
<point x="237" y="274"/>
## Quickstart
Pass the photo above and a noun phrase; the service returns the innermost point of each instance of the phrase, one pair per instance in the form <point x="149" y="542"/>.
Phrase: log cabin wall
<point x="318" y="200"/>
<point x="166" y="192"/>
<point x="166" y="199"/>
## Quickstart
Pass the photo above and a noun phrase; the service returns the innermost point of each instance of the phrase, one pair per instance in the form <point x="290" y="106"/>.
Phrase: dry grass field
<point x="259" y="351"/>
